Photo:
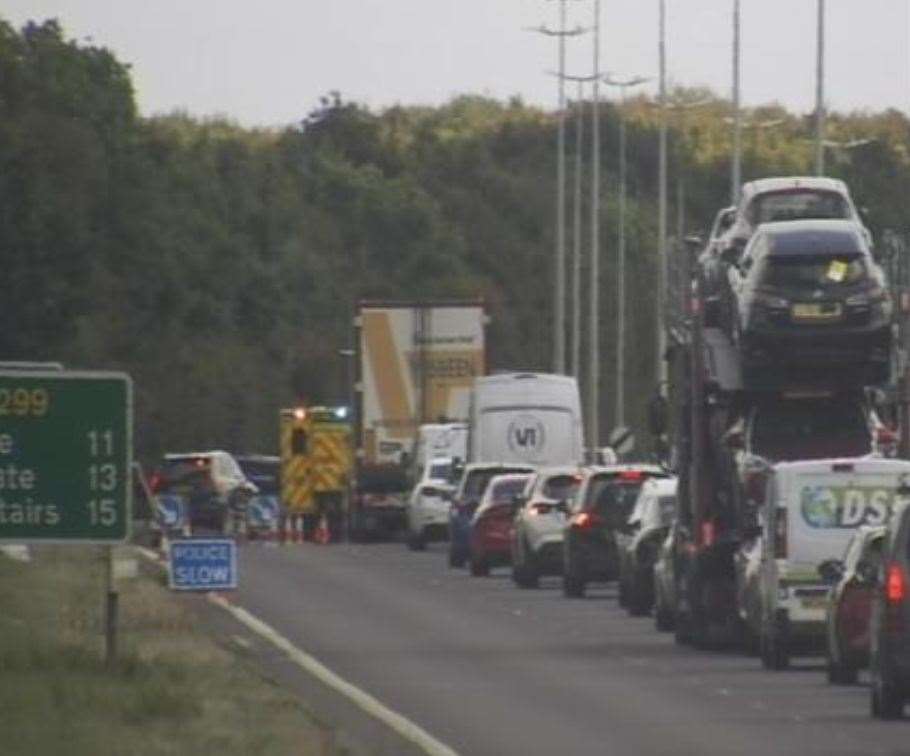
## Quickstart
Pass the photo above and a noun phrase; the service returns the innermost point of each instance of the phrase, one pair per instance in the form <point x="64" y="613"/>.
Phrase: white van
<point x="810" y="511"/>
<point x="526" y="417"/>
<point x="439" y="440"/>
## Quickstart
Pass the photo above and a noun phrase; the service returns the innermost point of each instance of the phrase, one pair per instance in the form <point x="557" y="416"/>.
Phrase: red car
<point x="850" y="605"/>
<point x="491" y="526"/>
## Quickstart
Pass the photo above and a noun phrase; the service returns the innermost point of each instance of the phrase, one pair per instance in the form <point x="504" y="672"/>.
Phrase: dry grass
<point x="172" y="691"/>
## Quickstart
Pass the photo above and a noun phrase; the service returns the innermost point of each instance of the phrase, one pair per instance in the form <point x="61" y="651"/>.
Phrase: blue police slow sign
<point x="203" y="564"/>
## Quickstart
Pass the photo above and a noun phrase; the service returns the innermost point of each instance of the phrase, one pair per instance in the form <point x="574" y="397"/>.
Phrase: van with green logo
<point x="810" y="511"/>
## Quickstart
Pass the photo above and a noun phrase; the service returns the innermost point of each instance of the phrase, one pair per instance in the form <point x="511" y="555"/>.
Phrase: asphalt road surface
<point x="490" y="669"/>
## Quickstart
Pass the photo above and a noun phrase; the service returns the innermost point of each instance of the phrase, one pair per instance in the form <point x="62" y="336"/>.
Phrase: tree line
<point x="219" y="265"/>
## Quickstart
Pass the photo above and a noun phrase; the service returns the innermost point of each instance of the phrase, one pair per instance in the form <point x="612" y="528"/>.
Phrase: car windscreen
<point x="504" y="491"/>
<point x="440" y="471"/>
<point x="561" y="487"/>
<point x="263" y="473"/>
<point x="180" y="472"/>
<point x="812" y="272"/>
<point x="612" y="498"/>
<point x="478" y="480"/>
<point x="797" y="205"/>
<point x="819" y="429"/>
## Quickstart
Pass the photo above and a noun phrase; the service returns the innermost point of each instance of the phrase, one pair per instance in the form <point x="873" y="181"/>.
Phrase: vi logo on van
<point x="845" y="506"/>
<point x="527" y="436"/>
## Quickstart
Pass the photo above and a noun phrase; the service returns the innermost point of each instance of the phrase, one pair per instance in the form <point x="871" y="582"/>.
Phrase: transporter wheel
<point x="456" y="558"/>
<point x="573" y="586"/>
<point x="663" y="619"/>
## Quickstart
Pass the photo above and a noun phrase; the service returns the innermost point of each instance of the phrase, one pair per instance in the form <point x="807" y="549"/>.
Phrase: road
<point x="489" y="669"/>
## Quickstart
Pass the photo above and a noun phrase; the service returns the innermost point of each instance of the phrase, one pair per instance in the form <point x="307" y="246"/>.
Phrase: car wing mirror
<point x="831" y="570"/>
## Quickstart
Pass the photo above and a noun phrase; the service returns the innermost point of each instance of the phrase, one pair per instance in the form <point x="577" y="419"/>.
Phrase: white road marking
<point x="368" y="703"/>
<point x="371" y="705"/>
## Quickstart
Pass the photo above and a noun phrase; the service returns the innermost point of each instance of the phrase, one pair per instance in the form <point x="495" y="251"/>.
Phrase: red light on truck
<point x="895" y="584"/>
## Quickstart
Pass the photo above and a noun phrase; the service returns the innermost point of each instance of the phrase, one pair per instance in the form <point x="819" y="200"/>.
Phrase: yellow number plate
<point x="822" y="311"/>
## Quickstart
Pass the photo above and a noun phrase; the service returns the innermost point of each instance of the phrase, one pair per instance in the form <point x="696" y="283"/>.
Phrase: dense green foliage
<point x="219" y="265"/>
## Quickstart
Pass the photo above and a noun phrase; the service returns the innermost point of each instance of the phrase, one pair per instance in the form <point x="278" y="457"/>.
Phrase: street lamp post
<point x="661" y="366"/>
<point x="619" y="410"/>
<point x="559" y="282"/>
<point x="594" y="327"/>
<point x="736" y="163"/>
<point x="820" y="93"/>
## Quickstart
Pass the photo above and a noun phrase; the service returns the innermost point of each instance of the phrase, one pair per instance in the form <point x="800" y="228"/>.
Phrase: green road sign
<point x="65" y="453"/>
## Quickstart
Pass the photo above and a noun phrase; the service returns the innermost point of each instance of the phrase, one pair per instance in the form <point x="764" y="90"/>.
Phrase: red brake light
<point x="884" y="436"/>
<point x="707" y="533"/>
<point x="631" y="475"/>
<point x="155" y="482"/>
<point x="895" y="584"/>
<point x="586" y="521"/>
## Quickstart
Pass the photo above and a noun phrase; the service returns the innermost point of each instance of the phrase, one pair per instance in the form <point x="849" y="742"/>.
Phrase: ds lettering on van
<point x="526" y="436"/>
<point x="845" y="506"/>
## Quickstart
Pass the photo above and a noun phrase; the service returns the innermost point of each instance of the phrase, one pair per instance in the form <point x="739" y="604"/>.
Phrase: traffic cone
<point x="322" y="535"/>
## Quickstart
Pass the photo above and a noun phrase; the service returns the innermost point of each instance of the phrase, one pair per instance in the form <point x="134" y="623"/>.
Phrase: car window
<point x="872" y="553"/>
<point x="812" y="271"/>
<point x="561" y="487"/>
<point x="794" y="205"/>
<point x="612" y="499"/>
<point x="263" y="473"/>
<point x="478" y="480"/>
<point x="810" y="430"/>
<point x="440" y="470"/>
<point x="504" y="491"/>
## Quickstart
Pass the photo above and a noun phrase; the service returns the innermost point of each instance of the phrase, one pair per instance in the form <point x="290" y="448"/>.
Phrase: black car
<point x="600" y="510"/>
<point x="890" y="626"/>
<point x="808" y="294"/>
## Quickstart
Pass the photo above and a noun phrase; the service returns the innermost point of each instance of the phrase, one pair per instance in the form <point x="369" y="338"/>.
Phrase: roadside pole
<point x="111" y="605"/>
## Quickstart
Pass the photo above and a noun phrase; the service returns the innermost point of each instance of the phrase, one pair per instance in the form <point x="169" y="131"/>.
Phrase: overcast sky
<point x="266" y="62"/>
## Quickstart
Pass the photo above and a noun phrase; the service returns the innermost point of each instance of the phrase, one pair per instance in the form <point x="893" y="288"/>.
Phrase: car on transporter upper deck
<point x="808" y="294"/>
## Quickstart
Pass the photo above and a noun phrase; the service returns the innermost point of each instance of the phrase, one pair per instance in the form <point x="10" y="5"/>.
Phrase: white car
<point x="428" y="505"/>
<point x="787" y="198"/>
<point x="810" y="512"/>
<point x="537" y="538"/>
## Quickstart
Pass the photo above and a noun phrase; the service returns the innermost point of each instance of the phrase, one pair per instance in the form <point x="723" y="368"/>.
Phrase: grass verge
<point x="173" y="690"/>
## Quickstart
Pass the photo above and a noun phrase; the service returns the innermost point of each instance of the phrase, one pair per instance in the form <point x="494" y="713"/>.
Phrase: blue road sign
<point x="203" y="564"/>
<point x="171" y="511"/>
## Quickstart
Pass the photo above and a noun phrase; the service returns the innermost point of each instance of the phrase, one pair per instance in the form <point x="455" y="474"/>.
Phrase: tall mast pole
<point x="559" y="294"/>
<point x="576" y="236"/>
<point x="661" y="366"/>
<point x="594" y="327"/>
<point x="820" y="94"/>
<point x="736" y="171"/>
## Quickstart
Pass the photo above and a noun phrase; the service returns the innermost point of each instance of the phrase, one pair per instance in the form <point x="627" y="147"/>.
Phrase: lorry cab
<point x="531" y="418"/>
<point x="811" y="510"/>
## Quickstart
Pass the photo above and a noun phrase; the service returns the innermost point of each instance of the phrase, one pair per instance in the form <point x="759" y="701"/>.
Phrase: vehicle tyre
<point x="638" y="603"/>
<point x="682" y="633"/>
<point x="840" y="673"/>
<point x="456" y="559"/>
<point x="887" y="701"/>
<point x="775" y="655"/>
<point x="573" y="586"/>
<point x="416" y="541"/>
<point x="524" y="573"/>
<point x="479" y="567"/>
<point x="623" y="597"/>
<point x="663" y="619"/>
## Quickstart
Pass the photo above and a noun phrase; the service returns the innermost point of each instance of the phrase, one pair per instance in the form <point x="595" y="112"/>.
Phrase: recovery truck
<point x="316" y="465"/>
<point x="708" y="395"/>
<point x="415" y="364"/>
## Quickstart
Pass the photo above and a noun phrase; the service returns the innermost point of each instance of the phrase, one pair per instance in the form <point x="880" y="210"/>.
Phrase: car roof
<point x="265" y="458"/>
<point x="863" y="464"/>
<point x="509" y="478"/>
<point x="493" y="465"/>
<point x="187" y="455"/>
<point x="813" y="237"/>
<point x="787" y="183"/>
<point x="646" y="467"/>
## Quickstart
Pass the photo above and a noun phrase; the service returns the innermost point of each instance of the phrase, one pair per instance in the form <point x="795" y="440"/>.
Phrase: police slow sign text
<point x="65" y="454"/>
